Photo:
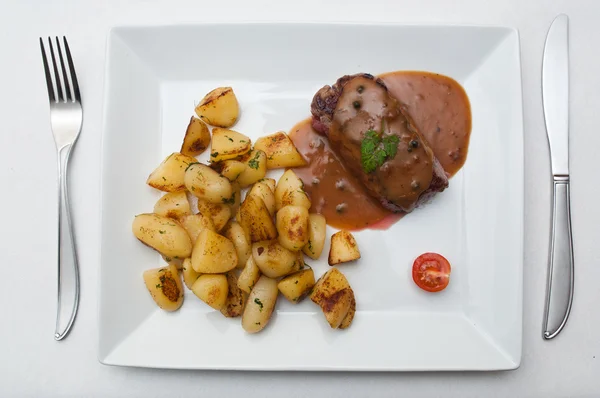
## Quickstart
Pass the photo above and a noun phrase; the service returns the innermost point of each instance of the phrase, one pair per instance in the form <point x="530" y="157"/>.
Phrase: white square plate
<point x="155" y="76"/>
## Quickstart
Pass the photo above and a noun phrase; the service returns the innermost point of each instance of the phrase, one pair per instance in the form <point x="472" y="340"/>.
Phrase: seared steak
<point x="378" y="141"/>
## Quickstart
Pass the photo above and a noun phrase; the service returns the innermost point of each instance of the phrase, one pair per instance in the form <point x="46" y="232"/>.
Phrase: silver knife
<point x="555" y="93"/>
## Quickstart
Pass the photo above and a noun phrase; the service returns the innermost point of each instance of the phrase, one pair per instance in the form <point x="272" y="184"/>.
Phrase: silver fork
<point x="66" y="118"/>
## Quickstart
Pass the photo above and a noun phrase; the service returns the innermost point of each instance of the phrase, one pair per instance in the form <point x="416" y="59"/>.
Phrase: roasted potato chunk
<point x="274" y="260"/>
<point x="162" y="234"/>
<point x="337" y="307"/>
<point x="334" y="295"/>
<point x="196" y="139"/>
<point x="256" y="168"/>
<point x="260" y="305"/>
<point x="238" y="218"/>
<point x="228" y="144"/>
<point x="316" y="236"/>
<point x="350" y="315"/>
<point x="292" y="227"/>
<point x="231" y="169"/>
<point x="280" y="151"/>
<point x="195" y="223"/>
<point x="249" y="275"/>
<point x="219" y="107"/>
<point x="329" y="283"/>
<point x="165" y="287"/>
<point x="206" y="184"/>
<point x="219" y="213"/>
<point x="271" y="183"/>
<point x="169" y="175"/>
<point x="212" y="289"/>
<point x="235" y="233"/>
<point x="301" y="262"/>
<point x="236" y="198"/>
<point x="290" y="191"/>
<point x="213" y="253"/>
<point x="256" y="220"/>
<point x="343" y="248"/>
<point x="267" y="195"/>
<point x="189" y="273"/>
<point x="236" y="298"/>
<point x="297" y="285"/>
<point x="173" y="205"/>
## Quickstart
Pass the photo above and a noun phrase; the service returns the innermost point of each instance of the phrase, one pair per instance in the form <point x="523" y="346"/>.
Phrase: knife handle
<point x="561" y="267"/>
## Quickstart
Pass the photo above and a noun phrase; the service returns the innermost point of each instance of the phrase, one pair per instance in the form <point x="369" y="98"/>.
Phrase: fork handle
<point x="68" y="269"/>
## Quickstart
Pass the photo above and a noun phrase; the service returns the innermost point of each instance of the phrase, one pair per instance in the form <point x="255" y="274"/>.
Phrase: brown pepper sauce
<point x="440" y="109"/>
<point x="334" y="191"/>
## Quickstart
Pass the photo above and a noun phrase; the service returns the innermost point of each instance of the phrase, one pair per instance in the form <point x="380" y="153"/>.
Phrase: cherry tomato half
<point x="431" y="272"/>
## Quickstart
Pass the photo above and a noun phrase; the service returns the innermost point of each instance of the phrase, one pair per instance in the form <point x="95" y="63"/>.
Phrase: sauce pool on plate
<point x="441" y="111"/>
<point x="334" y="191"/>
<point x="440" y="108"/>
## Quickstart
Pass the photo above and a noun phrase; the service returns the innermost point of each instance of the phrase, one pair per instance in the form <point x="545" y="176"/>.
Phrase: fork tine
<point x="64" y="71"/>
<point x="47" y="72"/>
<point x="56" y="74"/>
<point x="72" y="69"/>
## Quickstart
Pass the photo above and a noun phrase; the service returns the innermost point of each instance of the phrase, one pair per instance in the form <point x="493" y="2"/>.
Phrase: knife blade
<point x="555" y="94"/>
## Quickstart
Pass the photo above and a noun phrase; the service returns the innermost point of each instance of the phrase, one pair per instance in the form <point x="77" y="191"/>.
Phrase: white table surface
<point x="33" y="364"/>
